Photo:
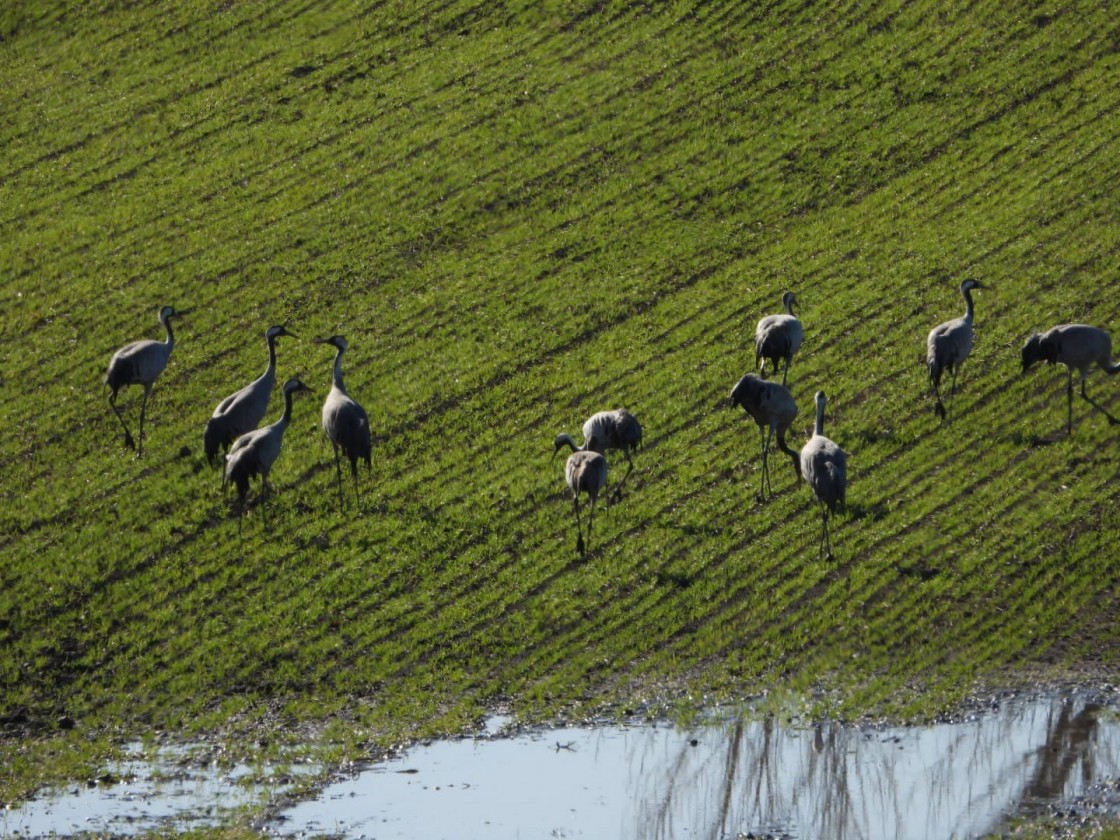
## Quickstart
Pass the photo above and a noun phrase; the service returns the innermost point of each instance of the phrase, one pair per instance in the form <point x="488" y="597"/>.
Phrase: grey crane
<point x="778" y="337"/>
<point x="604" y="431"/>
<point x="243" y="411"/>
<point x="772" y="407"/>
<point x="1076" y="346"/>
<point x="948" y="345"/>
<point x="824" y="466"/>
<point x="255" y="452"/>
<point x="585" y="472"/>
<point x="344" y="420"/>
<point x="140" y="363"/>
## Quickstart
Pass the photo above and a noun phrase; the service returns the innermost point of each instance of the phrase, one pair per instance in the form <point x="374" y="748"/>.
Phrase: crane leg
<point x="128" y="441"/>
<point x="579" y="525"/>
<point x="766" y="488"/>
<point x="354" y="473"/>
<point x="266" y="493"/>
<point x="1112" y="421"/>
<point x="1069" y="400"/>
<point x="140" y="433"/>
<point x="590" y="519"/>
<point x="935" y="389"/>
<point x="242" y="501"/>
<point x="338" y="475"/>
<point x="617" y="492"/>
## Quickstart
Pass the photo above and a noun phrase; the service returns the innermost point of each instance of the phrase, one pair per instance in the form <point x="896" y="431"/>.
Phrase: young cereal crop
<point x="518" y="215"/>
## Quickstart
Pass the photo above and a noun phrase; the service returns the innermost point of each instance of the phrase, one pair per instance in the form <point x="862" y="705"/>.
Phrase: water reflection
<point x="948" y="780"/>
<point x="745" y="777"/>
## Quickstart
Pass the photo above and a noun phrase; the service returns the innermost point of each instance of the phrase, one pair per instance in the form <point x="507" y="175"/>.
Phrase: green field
<point x="519" y="215"/>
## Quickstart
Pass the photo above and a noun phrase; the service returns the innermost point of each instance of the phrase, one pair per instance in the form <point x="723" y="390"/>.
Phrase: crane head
<point x="335" y="341"/>
<point x="562" y="440"/>
<point x="742" y="388"/>
<point x="788" y="300"/>
<point x="277" y="331"/>
<point x="168" y="312"/>
<point x="293" y="385"/>
<point x="1038" y="349"/>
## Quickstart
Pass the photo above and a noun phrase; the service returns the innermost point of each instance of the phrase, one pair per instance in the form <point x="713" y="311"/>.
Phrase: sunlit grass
<point x="517" y="218"/>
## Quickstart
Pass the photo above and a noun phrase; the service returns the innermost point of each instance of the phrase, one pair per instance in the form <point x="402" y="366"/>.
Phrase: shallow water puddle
<point x="167" y="787"/>
<point x="741" y="779"/>
<point x="648" y="781"/>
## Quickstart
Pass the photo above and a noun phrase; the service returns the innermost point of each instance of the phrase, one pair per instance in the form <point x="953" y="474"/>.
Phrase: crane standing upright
<point x="255" y="452"/>
<point x="948" y="345"/>
<point x="825" y="468"/>
<point x="243" y="411"/>
<point x="344" y="420"/>
<point x="140" y="363"/>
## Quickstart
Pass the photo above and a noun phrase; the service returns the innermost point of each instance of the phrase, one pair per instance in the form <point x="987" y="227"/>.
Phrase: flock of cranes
<point x="251" y="450"/>
<point x="234" y="427"/>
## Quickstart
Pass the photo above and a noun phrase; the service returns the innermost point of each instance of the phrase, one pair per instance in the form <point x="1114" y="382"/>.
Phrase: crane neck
<point x="167" y="328"/>
<point x="286" y="417"/>
<point x="967" y="304"/>
<point x="337" y="378"/>
<point x="271" y="355"/>
<point x="818" y="424"/>
<point x="564" y="439"/>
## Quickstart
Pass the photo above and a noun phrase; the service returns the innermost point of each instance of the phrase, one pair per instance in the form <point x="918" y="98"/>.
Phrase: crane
<point x="344" y="420"/>
<point x="255" y="452"/>
<point x="243" y="411"/>
<point x="772" y="407"/>
<point x="140" y="363"/>
<point x="1076" y="346"/>
<point x="604" y="431"/>
<point x="777" y="338"/>
<point x="824" y="466"/>
<point x="585" y="472"/>
<point x="948" y="345"/>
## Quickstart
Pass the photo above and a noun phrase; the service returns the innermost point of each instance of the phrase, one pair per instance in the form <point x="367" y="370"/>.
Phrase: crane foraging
<point x="243" y="411"/>
<point x="344" y="420"/>
<point x="778" y="337"/>
<point x="825" y="468"/>
<point x="1076" y="346"/>
<point x="948" y="345"/>
<point x="585" y="472"/>
<point x="140" y="363"/>
<point x="604" y="431"/>
<point x="255" y="452"/>
<point x="772" y="407"/>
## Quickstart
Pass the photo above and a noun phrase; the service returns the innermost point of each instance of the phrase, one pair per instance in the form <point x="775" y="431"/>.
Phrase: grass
<point x="518" y="216"/>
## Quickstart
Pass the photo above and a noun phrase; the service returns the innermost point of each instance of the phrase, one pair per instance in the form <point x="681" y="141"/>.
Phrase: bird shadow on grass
<point x="679" y="580"/>
<point x="1033" y="441"/>
<point x="858" y="511"/>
